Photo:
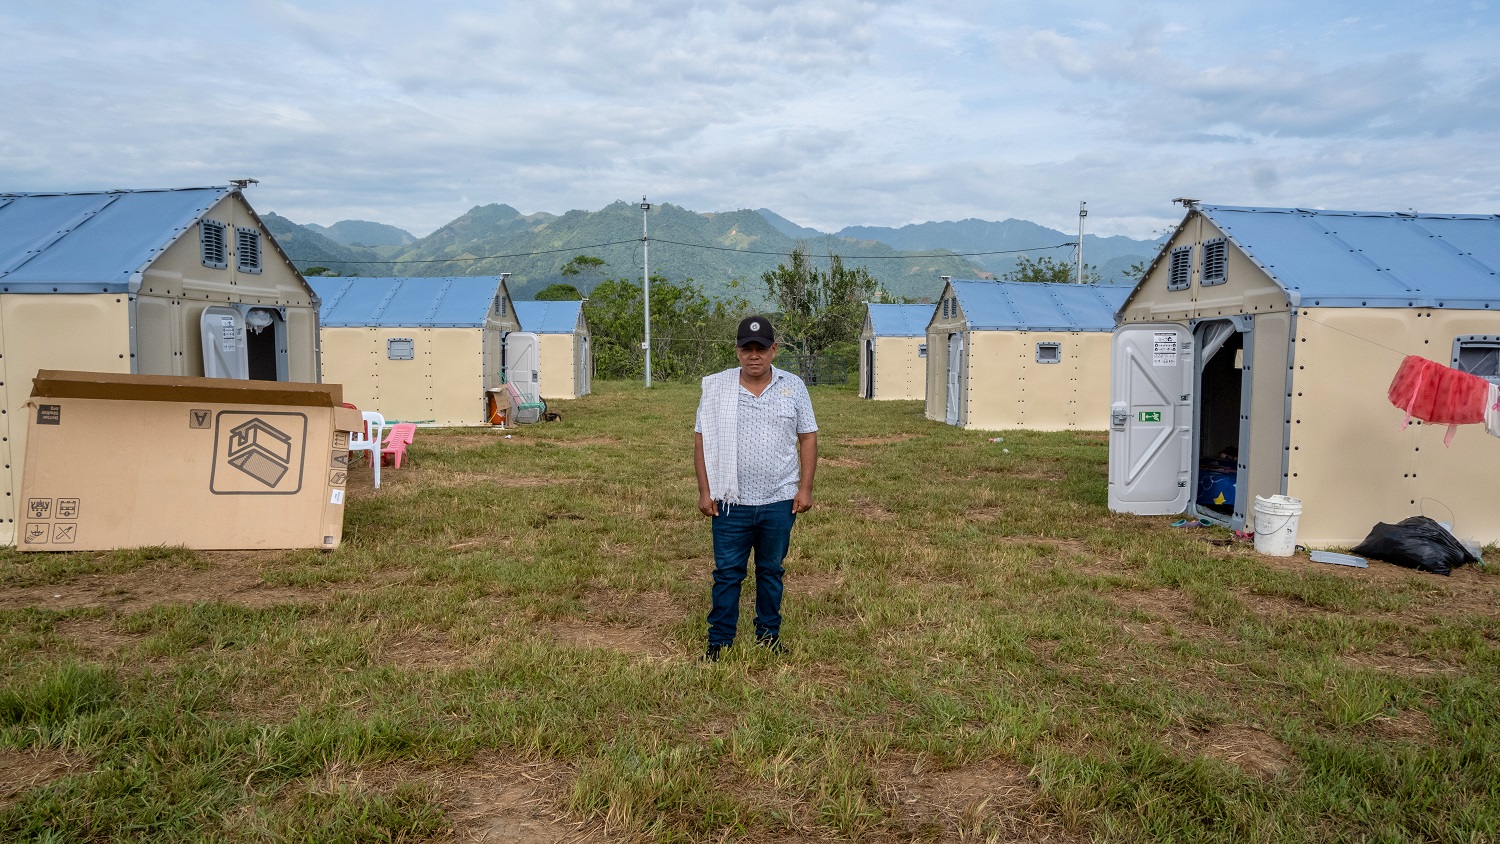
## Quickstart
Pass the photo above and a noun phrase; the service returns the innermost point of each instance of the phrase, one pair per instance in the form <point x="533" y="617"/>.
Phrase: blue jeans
<point x="738" y="529"/>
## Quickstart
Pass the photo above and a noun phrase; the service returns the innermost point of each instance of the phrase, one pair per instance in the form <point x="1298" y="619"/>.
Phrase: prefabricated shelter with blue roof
<point x="423" y="350"/>
<point x="152" y="282"/>
<point x="565" y="349"/>
<point x="892" y="352"/>
<point x="1021" y="355"/>
<point x="1265" y="339"/>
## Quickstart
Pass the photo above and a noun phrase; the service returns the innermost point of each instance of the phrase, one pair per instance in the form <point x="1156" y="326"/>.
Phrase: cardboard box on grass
<point x="123" y="461"/>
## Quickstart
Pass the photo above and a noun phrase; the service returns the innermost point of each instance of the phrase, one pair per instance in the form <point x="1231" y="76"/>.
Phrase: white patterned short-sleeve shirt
<point x="767" y="438"/>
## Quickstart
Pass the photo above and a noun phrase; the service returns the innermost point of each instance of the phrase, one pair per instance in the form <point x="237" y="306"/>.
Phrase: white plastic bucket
<point x="1276" y="525"/>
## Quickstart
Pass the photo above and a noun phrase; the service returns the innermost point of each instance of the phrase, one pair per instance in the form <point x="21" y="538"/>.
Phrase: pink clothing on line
<point x="1431" y="392"/>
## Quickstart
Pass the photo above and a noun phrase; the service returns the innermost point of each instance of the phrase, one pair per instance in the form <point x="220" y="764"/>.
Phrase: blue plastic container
<point x="1216" y="488"/>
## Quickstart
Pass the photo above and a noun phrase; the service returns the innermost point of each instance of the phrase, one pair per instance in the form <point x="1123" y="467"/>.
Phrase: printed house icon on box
<point x="260" y="450"/>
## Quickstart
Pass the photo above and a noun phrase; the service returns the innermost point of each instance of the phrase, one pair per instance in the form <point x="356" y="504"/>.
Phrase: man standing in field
<point x="755" y="448"/>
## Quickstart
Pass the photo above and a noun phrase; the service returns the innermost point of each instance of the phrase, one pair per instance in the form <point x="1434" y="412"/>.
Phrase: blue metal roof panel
<point x="92" y="242"/>
<point x="462" y="302"/>
<point x="359" y="301"/>
<point x="548" y="317"/>
<point x="1034" y="306"/>
<point x="330" y="293"/>
<point x="1362" y="259"/>
<point x="466" y="300"/>
<point x="900" y="320"/>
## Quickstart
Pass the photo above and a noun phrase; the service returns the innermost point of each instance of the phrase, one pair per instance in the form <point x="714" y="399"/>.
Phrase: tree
<point x="587" y="266"/>
<point x="691" y="334"/>
<point x="559" y="293"/>
<point x="317" y="271"/>
<point x="818" y="310"/>
<point x="1049" y="269"/>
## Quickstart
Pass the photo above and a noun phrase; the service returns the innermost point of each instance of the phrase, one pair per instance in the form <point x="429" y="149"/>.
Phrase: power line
<point x="908" y="255"/>
<point x="478" y="258"/>
<point x="943" y="254"/>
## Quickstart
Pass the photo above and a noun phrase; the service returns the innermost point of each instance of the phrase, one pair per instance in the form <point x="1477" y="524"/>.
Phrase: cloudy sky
<point x="832" y="113"/>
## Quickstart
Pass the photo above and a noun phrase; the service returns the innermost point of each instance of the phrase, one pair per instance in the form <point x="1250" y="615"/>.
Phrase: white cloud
<point x="839" y="113"/>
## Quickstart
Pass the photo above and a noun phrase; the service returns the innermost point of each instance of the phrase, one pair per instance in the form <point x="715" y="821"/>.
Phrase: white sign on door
<point x="1164" y="348"/>
<point x="228" y="335"/>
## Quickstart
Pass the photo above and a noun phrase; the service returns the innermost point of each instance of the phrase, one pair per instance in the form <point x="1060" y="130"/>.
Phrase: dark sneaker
<point x="712" y="654"/>
<point x="772" y="644"/>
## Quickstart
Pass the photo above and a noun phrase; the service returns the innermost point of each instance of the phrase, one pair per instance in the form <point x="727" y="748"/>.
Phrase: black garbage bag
<point x="1417" y="543"/>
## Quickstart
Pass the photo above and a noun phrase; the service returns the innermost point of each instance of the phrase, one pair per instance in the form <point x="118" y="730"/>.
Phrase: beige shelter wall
<point x="82" y="331"/>
<point x="179" y="277"/>
<point x="557" y="356"/>
<point x="1008" y="389"/>
<point x="442" y="385"/>
<point x="1268" y="409"/>
<point x="1351" y="464"/>
<point x="509" y="321"/>
<point x="456" y="372"/>
<point x="160" y="340"/>
<point x="301" y="334"/>
<point x="1247" y="289"/>
<point x="503" y="323"/>
<point x="493" y="343"/>
<point x="900" y="372"/>
<point x="937" y="374"/>
<point x="349" y="359"/>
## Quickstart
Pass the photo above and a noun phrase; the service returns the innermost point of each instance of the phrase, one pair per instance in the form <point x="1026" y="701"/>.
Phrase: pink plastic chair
<point x="401" y="435"/>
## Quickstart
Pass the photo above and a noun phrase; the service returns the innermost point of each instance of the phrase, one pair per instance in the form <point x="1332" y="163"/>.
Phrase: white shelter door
<point x="586" y="374"/>
<point x="955" y="368"/>
<point x="1151" y="419"/>
<point x="522" y="363"/>
<point x="225" y="354"/>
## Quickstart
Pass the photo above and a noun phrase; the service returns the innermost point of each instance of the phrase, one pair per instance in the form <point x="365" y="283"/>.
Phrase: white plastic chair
<point x="369" y="440"/>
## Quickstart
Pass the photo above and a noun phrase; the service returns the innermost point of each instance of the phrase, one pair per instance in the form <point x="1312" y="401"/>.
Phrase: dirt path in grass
<point x="992" y="800"/>
<point x="233" y="577"/>
<point x="23" y="770"/>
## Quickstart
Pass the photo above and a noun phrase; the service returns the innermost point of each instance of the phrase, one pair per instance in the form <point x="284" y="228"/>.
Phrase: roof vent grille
<point x="1180" y="272"/>
<point x="247" y="250"/>
<point x="214" y="247"/>
<point x="1215" y="262"/>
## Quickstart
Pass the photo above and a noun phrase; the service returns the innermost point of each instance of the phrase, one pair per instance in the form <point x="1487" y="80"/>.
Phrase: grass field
<point x="505" y="648"/>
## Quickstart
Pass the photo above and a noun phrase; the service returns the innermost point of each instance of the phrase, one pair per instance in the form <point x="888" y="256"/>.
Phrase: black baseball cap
<point x="756" y="329"/>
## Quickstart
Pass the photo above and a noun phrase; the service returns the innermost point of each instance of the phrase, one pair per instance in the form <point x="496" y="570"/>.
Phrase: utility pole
<point x="1082" y="212"/>
<point x="646" y="285"/>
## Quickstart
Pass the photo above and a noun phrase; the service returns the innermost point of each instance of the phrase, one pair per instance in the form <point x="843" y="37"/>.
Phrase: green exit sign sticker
<point x="1149" y="416"/>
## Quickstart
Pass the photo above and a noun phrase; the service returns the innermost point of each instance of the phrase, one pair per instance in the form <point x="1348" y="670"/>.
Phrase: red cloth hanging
<point x="1431" y="392"/>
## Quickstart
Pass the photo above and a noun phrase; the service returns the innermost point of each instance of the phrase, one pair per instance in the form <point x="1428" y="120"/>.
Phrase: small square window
<point x="1180" y="270"/>
<point x="1049" y="353"/>
<point x="1215" y="262"/>
<point x="247" y="250"/>
<point x="401" y="348"/>
<point x="1478" y="354"/>
<point x="214" y="247"/>
<point x="922" y="350"/>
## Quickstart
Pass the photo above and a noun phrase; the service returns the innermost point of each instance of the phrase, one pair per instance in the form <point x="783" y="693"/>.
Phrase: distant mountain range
<point x="363" y="233"/>
<point x="1112" y="256"/>
<point x="724" y="253"/>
